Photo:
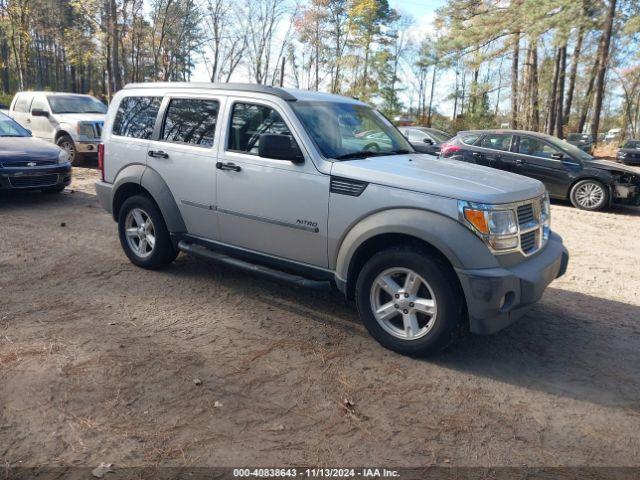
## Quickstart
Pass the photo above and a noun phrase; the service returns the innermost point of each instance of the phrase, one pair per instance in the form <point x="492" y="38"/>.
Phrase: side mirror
<point x="39" y="113"/>
<point x="428" y="141"/>
<point x="279" y="147"/>
<point x="557" y="156"/>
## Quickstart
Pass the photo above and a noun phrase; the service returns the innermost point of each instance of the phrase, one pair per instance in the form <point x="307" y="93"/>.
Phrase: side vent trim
<point x="346" y="186"/>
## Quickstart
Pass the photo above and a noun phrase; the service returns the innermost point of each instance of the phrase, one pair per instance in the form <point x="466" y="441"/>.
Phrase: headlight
<point x="622" y="154"/>
<point x="86" y="130"/>
<point x="496" y="225"/>
<point x="545" y="216"/>
<point x="63" y="156"/>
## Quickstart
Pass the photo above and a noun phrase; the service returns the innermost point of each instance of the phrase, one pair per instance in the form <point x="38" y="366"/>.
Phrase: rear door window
<point x="498" y="141"/>
<point x="22" y="104"/>
<point x="191" y="121"/>
<point x="470" y="139"/>
<point x="136" y="117"/>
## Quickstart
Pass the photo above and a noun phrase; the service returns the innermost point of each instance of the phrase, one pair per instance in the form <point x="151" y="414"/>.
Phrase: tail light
<point x="101" y="160"/>
<point x="446" y="150"/>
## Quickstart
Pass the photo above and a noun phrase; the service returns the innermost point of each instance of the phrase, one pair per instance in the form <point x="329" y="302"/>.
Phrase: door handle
<point x="477" y="154"/>
<point x="518" y="161"/>
<point x="158" y="154"/>
<point x="228" y="166"/>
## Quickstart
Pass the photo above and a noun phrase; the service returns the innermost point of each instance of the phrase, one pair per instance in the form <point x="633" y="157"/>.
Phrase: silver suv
<point x="310" y="188"/>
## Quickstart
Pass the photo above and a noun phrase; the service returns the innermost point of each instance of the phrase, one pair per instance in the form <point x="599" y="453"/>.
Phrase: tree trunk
<point x="535" y="106"/>
<point x="588" y="96"/>
<point x="552" y="110"/>
<point x="573" y="72"/>
<point x="603" y="63"/>
<point x="514" y="80"/>
<point x="433" y="86"/>
<point x="562" y="67"/>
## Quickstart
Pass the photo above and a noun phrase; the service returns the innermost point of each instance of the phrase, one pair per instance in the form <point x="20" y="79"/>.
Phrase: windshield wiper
<point x="369" y="153"/>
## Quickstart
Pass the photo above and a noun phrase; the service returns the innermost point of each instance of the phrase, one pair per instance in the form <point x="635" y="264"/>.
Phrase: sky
<point x="423" y="13"/>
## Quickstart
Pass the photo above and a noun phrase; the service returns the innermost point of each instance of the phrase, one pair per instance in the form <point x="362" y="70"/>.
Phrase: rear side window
<point x="469" y="139"/>
<point x="22" y="104"/>
<point x="136" y="117"/>
<point x="191" y="121"/>
<point x="497" y="142"/>
<point x="248" y="122"/>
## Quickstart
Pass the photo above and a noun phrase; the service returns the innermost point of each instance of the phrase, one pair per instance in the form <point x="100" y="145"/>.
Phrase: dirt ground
<point x="200" y="364"/>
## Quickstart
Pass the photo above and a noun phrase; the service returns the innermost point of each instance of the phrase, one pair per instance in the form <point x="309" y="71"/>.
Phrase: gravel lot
<point x="204" y="365"/>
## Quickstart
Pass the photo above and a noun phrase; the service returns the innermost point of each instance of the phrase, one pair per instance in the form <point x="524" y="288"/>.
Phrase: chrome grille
<point x="525" y="214"/>
<point x="33" y="180"/>
<point x="529" y="241"/>
<point x="98" y="127"/>
<point x="23" y="163"/>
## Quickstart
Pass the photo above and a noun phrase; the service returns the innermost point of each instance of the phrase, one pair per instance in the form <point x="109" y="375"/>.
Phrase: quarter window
<point x="249" y="121"/>
<point x="536" y="148"/>
<point x="136" y="117"/>
<point x="497" y="142"/>
<point x="191" y="121"/>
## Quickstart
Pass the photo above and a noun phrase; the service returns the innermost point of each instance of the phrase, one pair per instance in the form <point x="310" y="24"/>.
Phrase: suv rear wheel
<point x="143" y="233"/>
<point x="589" y="195"/>
<point x="409" y="302"/>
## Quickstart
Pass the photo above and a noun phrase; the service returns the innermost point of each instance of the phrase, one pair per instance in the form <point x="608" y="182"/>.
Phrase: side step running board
<point x="252" y="267"/>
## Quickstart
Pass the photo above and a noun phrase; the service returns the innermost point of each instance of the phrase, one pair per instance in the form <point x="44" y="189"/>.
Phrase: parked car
<point x="423" y="246"/>
<point x="583" y="141"/>
<point x="629" y="153"/>
<point x="612" y="134"/>
<point x="27" y="163"/>
<point x="566" y="171"/>
<point x="71" y="121"/>
<point x="425" y="140"/>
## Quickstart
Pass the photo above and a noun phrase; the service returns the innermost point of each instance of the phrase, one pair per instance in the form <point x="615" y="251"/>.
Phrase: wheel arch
<point x="61" y="133"/>
<point x="139" y="179"/>
<point x="444" y="238"/>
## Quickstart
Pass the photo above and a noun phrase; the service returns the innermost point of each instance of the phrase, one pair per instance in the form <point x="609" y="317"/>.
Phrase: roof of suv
<point x="288" y="94"/>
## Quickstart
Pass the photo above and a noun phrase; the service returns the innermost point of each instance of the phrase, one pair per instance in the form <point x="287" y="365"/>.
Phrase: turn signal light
<point x="101" y="160"/>
<point x="478" y="219"/>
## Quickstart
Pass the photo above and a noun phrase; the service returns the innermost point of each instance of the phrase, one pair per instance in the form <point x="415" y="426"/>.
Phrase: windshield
<point x="76" y="104"/>
<point x="570" y="149"/>
<point x="346" y="130"/>
<point x="439" y="135"/>
<point x="10" y="128"/>
<point x="632" y="144"/>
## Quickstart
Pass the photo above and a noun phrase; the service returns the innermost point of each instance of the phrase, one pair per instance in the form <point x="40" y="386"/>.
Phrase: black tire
<point x="583" y="203"/>
<point x="162" y="252"/>
<point x="53" y="190"/>
<point x="448" y="296"/>
<point x="66" y="143"/>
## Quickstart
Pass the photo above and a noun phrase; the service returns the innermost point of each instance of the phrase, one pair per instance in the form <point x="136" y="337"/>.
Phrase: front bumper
<point x="35" y="178"/>
<point x="497" y="297"/>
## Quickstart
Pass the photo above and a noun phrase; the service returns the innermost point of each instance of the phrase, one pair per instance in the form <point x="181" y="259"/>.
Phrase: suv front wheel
<point x="409" y="302"/>
<point x="143" y="234"/>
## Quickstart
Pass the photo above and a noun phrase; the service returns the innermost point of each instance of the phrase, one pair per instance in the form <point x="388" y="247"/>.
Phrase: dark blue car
<point x="27" y="163"/>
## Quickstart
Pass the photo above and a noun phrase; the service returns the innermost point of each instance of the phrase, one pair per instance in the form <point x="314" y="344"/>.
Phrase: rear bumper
<point x="35" y="178"/>
<point x="104" y="191"/>
<point x="497" y="297"/>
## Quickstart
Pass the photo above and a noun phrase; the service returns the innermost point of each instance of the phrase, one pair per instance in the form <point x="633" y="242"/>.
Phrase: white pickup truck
<point x="71" y="121"/>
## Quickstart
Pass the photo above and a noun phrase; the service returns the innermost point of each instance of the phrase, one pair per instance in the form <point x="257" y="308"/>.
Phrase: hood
<point x="447" y="178"/>
<point x="612" y="166"/>
<point x="26" y="149"/>
<point x="79" y="117"/>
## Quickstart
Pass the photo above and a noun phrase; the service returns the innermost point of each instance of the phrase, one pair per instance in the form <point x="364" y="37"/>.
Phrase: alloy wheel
<point x="70" y="148"/>
<point x="140" y="232"/>
<point x="589" y="195"/>
<point x="403" y="303"/>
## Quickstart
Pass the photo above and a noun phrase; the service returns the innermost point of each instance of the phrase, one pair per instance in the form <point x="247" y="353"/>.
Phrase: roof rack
<point x="244" y="87"/>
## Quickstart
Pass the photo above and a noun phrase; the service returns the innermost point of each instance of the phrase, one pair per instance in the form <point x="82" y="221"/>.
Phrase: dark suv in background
<point x="567" y="171"/>
<point x="629" y="153"/>
<point x="583" y="141"/>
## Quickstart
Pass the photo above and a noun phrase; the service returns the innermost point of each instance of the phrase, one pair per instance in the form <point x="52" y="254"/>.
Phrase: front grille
<point x="525" y="214"/>
<point x="529" y="241"/>
<point x="33" y="181"/>
<point x="23" y="163"/>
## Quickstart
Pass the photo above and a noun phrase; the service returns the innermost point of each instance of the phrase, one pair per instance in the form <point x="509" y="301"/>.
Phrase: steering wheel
<point x="371" y="147"/>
